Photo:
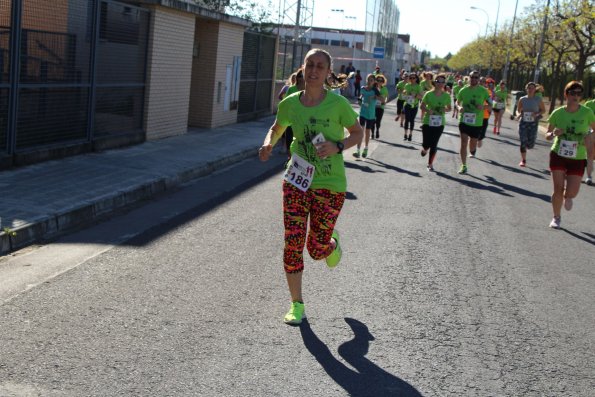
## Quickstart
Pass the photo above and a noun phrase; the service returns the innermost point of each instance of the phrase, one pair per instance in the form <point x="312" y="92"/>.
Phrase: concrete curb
<point x="73" y="218"/>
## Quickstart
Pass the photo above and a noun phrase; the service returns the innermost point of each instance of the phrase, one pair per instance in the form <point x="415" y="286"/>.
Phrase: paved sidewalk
<point x="42" y="201"/>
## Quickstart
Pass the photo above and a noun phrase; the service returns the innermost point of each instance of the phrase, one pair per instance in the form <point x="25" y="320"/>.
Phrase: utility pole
<point x="296" y="34"/>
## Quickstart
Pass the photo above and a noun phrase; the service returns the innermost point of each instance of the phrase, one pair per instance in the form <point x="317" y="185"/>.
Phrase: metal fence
<point x="256" y="79"/>
<point x="290" y="57"/>
<point x="72" y="72"/>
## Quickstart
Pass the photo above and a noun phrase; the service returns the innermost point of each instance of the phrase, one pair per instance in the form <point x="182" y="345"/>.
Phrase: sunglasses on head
<point x="440" y="81"/>
<point x="575" y="92"/>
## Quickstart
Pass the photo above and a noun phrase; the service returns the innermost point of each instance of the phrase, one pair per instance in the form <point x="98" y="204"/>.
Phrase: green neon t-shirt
<point x="410" y="93"/>
<point x="470" y="98"/>
<point x="591" y="105"/>
<point x="330" y="118"/>
<point x="575" y="125"/>
<point x="383" y="93"/>
<point x="400" y="88"/>
<point x="426" y="85"/>
<point x="501" y="95"/>
<point x="437" y="104"/>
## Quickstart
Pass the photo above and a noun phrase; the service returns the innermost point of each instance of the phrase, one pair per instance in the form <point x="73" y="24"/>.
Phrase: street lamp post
<point x="477" y="23"/>
<point x="340" y="34"/>
<point x="353" y="28"/>
<point x="487" y="16"/>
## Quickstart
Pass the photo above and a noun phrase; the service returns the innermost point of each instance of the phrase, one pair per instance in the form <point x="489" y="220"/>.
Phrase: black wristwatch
<point x="340" y="146"/>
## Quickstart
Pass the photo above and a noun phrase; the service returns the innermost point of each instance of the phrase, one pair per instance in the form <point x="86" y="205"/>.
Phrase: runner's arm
<point x="273" y="135"/>
<point x="328" y="148"/>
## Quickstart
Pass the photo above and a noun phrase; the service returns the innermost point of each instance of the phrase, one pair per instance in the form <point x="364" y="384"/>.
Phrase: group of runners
<point x="314" y="183"/>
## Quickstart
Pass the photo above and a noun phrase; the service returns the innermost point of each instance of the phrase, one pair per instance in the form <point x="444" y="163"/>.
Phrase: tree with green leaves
<point x="256" y="12"/>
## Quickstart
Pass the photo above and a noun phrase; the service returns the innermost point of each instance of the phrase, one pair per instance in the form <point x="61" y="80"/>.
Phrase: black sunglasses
<point x="474" y="77"/>
<point x="440" y="81"/>
<point x="574" y="93"/>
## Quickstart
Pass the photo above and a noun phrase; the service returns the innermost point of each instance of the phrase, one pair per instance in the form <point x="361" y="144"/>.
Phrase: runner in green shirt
<point x="381" y="85"/>
<point x="455" y="92"/>
<point x="412" y="95"/>
<point x="501" y="97"/>
<point x="400" y="98"/>
<point x="569" y="128"/>
<point x="472" y="101"/>
<point x="589" y="181"/>
<point x="314" y="186"/>
<point x="435" y="103"/>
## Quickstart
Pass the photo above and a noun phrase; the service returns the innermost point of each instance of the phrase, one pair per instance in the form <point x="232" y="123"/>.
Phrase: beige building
<point x="193" y="68"/>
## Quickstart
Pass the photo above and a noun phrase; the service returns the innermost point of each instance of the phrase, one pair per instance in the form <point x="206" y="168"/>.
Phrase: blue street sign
<point x="379" y="52"/>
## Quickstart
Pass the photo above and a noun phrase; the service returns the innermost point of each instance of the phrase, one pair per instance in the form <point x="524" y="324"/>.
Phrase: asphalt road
<point x="450" y="286"/>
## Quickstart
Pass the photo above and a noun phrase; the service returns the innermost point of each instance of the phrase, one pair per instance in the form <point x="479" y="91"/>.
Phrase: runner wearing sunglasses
<point x="569" y="128"/>
<point x="434" y="104"/>
<point x="472" y="100"/>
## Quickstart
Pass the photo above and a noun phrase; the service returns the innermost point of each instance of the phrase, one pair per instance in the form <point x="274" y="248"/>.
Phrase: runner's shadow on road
<point x="589" y="239"/>
<point x="517" y="189"/>
<point x="473" y="184"/>
<point x="512" y="169"/>
<point x="393" y="168"/>
<point x="350" y="196"/>
<point x="368" y="379"/>
<point x="409" y="146"/>
<point x="359" y="165"/>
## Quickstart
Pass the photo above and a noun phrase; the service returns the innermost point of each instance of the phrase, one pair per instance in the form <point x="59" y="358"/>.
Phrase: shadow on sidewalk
<point x="368" y="379"/>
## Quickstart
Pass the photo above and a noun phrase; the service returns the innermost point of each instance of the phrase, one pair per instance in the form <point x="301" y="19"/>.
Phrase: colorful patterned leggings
<point x="323" y="208"/>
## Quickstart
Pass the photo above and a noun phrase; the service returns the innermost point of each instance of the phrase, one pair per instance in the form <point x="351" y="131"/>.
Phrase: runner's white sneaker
<point x="567" y="204"/>
<point x="555" y="223"/>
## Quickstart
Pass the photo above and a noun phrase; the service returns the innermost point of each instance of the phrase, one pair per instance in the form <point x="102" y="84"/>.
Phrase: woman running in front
<point x="530" y="109"/>
<point x="434" y="103"/>
<point x="569" y="128"/>
<point x="314" y="184"/>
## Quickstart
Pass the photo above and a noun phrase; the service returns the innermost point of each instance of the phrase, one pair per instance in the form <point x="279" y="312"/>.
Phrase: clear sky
<point x="438" y="26"/>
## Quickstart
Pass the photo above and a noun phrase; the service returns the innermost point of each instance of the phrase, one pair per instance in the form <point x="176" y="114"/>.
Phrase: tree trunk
<point x="580" y="66"/>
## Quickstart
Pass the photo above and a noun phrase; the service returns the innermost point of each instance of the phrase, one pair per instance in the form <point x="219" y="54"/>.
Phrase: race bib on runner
<point x="299" y="173"/>
<point x="469" y="118"/>
<point x="568" y="149"/>
<point x="498" y="105"/>
<point x="435" y="120"/>
<point x="409" y="99"/>
<point x="528" y="117"/>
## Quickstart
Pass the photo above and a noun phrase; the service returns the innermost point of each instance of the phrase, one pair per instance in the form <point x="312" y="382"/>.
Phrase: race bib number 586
<point x="299" y="173"/>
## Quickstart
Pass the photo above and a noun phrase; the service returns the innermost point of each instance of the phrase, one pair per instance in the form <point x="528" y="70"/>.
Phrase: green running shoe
<point x="365" y="153"/>
<point x="335" y="257"/>
<point x="463" y="169"/>
<point x="356" y="154"/>
<point x="296" y="314"/>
